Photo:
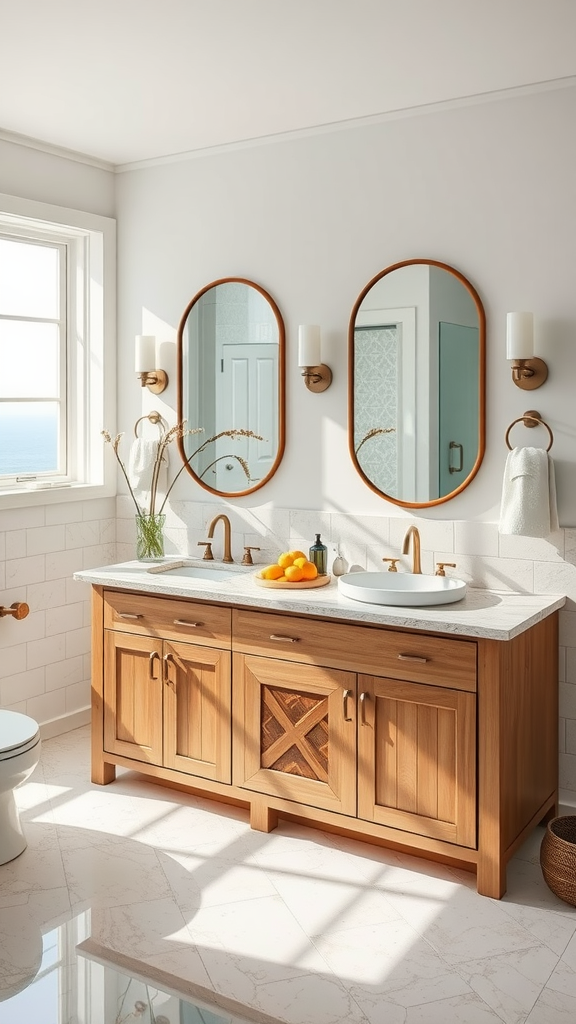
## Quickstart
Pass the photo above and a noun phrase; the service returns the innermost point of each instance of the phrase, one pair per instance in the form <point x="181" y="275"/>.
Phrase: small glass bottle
<point x="318" y="555"/>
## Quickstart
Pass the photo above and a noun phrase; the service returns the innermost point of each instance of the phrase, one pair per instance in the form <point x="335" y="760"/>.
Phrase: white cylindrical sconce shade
<point x="519" y="335"/>
<point x="309" y="345"/>
<point x="145" y="353"/>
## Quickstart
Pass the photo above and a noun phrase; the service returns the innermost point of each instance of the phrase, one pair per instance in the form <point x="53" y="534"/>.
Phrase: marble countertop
<point x="495" y="615"/>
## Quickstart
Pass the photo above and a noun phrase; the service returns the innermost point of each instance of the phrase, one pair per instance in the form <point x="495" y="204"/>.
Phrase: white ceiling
<point x="131" y="80"/>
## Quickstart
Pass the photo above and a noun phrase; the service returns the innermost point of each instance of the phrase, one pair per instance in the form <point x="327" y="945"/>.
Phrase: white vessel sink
<point x="402" y="588"/>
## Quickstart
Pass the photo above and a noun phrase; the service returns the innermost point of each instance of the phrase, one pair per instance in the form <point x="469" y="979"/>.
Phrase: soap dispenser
<point x="318" y="554"/>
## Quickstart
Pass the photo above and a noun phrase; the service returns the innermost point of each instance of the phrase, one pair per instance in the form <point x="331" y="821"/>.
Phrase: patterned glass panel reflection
<point x="376" y="373"/>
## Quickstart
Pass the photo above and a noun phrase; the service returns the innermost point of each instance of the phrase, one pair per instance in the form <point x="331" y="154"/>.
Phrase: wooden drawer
<point x="378" y="651"/>
<point x="170" y="618"/>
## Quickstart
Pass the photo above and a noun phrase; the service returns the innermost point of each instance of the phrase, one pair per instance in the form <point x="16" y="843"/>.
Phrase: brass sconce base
<point x="529" y="374"/>
<point x="317" y="378"/>
<point x="156" y="381"/>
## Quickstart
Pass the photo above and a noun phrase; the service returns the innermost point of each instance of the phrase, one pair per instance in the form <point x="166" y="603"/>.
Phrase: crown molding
<point x="355" y="122"/>
<point x="15" y="139"/>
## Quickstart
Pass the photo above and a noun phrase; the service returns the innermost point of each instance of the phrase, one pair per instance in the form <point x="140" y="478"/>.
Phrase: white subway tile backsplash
<point x="12" y="662"/>
<point x="22" y="518"/>
<point x="15" y="544"/>
<point x="3" y="547"/>
<point x="47" y="594"/>
<point x="567" y="697"/>
<point x="47" y="706"/>
<point x="80" y="535"/>
<point x="570" y="747"/>
<point x="63" y="618"/>
<point x="42" y="539"/>
<point x="570" y="675"/>
<point x="476" y="539"/>
<point x="78" y="642"/>
<point x="567" y="773"/>
<point x="63" y="564"/>
<point x="22" y="686"/>
<point x="65" y="673"/>
<point x="98" y="508"/>
<point x="22" y="571"/>
<point x="567" y="628"/>
<point x="67" y="512"/>
<point x="77" y="696"/>
<point x="550" y="550"/>
<point x="562" y="664"/>
<point x="46" y="652"/>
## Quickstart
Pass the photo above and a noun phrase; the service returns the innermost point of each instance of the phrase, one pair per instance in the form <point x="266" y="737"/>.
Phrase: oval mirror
<point x="231" y="374"/>
<point x="417" y="383"/>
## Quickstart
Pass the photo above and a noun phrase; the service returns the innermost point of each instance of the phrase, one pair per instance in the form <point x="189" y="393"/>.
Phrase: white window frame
<point x="91" y="348"/>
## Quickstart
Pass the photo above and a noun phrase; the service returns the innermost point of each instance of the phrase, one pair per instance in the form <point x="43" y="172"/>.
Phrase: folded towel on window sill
<point x="528" y="507"/>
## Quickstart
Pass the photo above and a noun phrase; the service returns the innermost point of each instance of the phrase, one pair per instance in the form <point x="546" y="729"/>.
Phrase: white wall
<point x="487" y="188"/>
<point x="45" y="658"/>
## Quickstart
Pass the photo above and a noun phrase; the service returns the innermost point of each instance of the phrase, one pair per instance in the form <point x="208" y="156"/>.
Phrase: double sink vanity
<point x="429" y="729"/>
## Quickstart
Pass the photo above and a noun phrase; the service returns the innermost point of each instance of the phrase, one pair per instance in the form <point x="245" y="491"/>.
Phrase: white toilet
<point x="19" y="755"/>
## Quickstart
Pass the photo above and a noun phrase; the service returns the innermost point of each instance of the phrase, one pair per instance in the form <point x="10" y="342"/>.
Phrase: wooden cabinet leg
<point x="262" y="817"/>
<point x="103" y="773"/>
<point x="491" y="875"/>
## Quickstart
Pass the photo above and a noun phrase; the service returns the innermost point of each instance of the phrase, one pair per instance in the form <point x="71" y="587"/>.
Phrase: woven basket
<point x="558" y="857"/>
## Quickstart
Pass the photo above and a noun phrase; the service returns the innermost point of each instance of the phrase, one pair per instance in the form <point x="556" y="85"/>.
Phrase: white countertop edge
<point x="490" y="614"/>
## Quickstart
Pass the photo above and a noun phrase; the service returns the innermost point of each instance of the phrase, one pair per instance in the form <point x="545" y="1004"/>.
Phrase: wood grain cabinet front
<point x="167" y="703"/>
<point x="443" y="746"/>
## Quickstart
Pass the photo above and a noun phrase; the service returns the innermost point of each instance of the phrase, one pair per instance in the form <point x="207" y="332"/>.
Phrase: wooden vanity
<point x="441" y="745"/>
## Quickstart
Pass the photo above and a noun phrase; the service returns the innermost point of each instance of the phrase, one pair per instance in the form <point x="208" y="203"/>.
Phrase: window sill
<point x="25" y="498"/>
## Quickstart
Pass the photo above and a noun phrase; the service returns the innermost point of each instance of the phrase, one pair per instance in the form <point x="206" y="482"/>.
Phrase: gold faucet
<point x="412" y="532"/>
<point x="227" y="539"/>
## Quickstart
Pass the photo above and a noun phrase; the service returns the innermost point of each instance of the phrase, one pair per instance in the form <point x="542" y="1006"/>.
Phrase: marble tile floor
<point x="296" y="926"/>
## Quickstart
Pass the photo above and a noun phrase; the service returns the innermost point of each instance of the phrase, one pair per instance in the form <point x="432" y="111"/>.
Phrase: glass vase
<point x="150" y="537"/>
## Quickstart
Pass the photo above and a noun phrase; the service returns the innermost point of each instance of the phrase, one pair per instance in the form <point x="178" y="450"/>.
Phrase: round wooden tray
<point x="320" y="581"/>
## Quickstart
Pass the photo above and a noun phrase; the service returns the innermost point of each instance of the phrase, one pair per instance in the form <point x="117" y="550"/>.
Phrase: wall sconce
<point x="146" y="359"/>
<point x="317" y="376"/>
<point x="528" y="372"/>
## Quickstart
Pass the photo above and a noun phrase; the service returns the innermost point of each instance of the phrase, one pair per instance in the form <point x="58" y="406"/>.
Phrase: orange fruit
<point x="300" y="561"/>
<point x="271" y="572"/>
<point x="293" y="573"/>
<point x="285" y="559"/>
<point x="309" y="571"/>
<point x="281" y="579"/>
<point x="296" y="554"/>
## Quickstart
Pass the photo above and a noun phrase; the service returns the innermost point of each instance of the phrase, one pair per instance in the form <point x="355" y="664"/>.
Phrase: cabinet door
<point x="197" y="712"/>
<point x="417" y="758"/>
<point x="133" y="696"/>
<point x="298" y="732"/>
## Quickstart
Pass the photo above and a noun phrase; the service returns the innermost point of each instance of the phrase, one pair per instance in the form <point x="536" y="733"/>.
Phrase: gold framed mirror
<point x="231" y="385"/>
<point x="416" y="383"/>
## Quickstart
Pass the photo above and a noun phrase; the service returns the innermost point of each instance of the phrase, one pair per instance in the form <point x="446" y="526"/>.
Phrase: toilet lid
<point x="17" y="733"/>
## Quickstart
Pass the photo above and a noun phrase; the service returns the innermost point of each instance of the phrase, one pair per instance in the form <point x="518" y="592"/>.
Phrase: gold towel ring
<point x="530" y="419"/>
<point x="154" y="417"/>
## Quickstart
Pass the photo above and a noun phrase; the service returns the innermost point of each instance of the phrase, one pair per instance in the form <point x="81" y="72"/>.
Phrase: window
<point x="56" y="351"/>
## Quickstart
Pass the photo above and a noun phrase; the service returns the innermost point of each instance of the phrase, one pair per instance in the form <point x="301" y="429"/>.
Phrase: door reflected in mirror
<point x="231" y="355"/>
<point x="416" y="383"/>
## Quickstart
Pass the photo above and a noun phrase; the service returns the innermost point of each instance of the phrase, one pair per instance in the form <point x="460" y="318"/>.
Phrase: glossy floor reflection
<point x="296" y="926"/>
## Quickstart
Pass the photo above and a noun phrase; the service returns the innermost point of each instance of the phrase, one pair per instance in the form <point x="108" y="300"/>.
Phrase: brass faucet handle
<point x="393" y="567"/>
<point x="247" y="560"/>
<point x="441" y="565"/>
<point x="207" y="556"/>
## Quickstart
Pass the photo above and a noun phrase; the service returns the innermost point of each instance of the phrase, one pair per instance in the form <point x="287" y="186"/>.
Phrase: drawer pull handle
<point x="128" y="615"/>
<point x="285" y="639"/>
<point x="363" y="698"/>
<point x="184" y="622"/>
<point x="345" y="695"/>
<point x="412" y="657"/>
<point x="151" y="664"/>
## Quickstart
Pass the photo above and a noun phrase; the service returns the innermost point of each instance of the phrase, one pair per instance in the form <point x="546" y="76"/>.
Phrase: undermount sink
<point x="188" y="570"/>
<point x="403" y="588"/>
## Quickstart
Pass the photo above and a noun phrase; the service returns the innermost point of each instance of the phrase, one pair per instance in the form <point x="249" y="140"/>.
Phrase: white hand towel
<point x="141" y="461"/>
<point x="528" y="507"/>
